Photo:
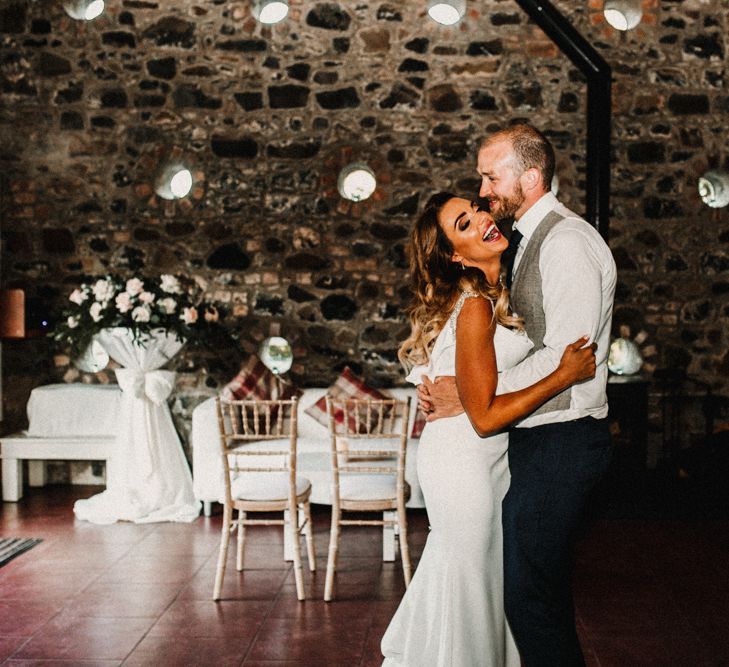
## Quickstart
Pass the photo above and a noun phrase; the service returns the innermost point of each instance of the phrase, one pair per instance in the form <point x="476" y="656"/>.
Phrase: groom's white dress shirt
<point x="578" y="285"/>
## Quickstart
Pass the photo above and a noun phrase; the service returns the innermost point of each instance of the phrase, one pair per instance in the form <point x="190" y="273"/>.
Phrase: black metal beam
<point x="599" y="86"/>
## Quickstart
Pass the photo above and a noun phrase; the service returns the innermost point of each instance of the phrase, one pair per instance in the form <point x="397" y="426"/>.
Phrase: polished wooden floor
<point x="648" y="592"/>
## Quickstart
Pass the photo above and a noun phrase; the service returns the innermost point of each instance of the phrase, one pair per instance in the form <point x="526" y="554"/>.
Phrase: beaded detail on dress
<point x="457" y="309"/>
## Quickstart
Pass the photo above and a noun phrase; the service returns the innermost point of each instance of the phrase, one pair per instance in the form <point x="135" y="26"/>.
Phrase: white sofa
<point x="313" y="454"/>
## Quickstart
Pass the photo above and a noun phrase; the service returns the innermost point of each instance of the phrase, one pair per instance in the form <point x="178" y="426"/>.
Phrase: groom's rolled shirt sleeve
<point x="571" y="293"/>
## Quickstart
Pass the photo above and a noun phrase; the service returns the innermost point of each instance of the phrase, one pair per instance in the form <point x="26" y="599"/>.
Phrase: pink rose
<point x="189" y="315"/>
<point x="123" y="302"/>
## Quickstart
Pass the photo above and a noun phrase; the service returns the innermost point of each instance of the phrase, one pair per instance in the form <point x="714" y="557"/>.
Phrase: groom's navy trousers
<point x="553" y="469"/>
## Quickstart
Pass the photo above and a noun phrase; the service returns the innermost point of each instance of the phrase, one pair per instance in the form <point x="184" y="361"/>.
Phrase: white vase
<point x="147" y="476"/>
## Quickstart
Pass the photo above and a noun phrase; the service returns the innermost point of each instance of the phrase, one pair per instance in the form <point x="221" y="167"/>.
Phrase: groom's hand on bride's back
<point x="439" y="398"/>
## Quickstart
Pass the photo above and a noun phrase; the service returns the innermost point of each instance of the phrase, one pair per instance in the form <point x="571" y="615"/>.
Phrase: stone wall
<point x="266" y="117"/>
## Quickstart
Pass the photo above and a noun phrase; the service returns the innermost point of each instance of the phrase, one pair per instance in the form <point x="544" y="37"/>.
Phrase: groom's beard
<point x="507" y="206"/>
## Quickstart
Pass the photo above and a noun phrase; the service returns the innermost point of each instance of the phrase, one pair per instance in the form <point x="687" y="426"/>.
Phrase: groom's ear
<point x="531" y="179"/>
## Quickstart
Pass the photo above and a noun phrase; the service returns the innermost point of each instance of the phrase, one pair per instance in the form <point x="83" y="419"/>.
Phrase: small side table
<point x="628" y="408"/>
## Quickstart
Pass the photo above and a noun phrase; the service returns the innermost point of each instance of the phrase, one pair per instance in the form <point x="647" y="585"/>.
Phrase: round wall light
<point x="356" y="182"/>
<point x="622" y="14"/>
<point x="270" y="11"/>
<point x="624" y="357"/>
<point x="93" y="359"/>
<point x="84" y="10"/>
<point x="446" y="12"/>
<point x="175" y="182"/>
<point x="714" y="188"/>
<point x="554" y="185"/>
<point x="275" y="353"/>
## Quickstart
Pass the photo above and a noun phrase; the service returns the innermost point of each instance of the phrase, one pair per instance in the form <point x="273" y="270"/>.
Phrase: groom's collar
<point x="531" y="219"/>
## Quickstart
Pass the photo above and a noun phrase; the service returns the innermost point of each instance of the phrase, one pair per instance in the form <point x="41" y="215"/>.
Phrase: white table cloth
<point x="148" y="479"/>
<point x="73" y="410"/>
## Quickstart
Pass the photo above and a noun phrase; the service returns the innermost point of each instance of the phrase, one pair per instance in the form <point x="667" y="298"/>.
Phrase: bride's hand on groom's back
<point x="439" y="398"/>
<point x="578" y="361"/>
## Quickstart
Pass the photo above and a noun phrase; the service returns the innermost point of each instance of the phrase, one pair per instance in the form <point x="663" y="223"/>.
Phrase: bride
<point x="453" y="612"/>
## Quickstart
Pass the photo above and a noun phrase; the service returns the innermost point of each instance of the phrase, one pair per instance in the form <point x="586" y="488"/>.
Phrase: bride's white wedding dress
<point x="452" y="614"/>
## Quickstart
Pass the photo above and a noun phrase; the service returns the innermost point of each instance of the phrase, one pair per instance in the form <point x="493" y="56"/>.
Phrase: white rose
<point x="72" y="322"/>
<point x="170" y="284"/>
<point x="167" y="305"/>
<point x="78" y="297"/>
<point x="123" y="302"/>
<point x="103" y="290"/>
<point x="189" y="315"/>
<point x="95" y="311"/>
<point x="134" y="286"/>
<point x="141" y="314"/>
<point x="146" y="297"/>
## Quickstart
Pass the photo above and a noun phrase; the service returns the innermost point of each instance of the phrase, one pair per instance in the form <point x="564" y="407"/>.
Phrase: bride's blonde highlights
<point x="437" y="282"/>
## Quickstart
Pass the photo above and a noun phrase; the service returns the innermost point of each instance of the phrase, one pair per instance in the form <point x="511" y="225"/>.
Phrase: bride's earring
<point x="463" y="268"/>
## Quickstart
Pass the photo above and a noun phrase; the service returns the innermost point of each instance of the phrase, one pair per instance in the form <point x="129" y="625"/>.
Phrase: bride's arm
<point x="477" y="374"/>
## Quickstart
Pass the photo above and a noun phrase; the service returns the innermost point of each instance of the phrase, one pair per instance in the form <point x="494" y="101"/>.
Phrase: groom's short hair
<point x="531" y="149"/>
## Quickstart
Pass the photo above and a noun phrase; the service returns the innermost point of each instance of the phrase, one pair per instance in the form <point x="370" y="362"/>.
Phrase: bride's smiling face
<point x="475" y="238"/>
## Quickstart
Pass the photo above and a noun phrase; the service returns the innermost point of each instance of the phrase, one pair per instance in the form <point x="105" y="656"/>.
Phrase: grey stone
<point x="288" y="96"/>
<point x="344" y="98"/>
<point x="244" y="147"/>
<point x="172" y="31"/>
<point x="305" y="261"/>
<point x="646" y="152"/>
<point x="119" y="39"/>
<point x="189" y="95"/>
<point x="229" y="256"/>
<point x="250" y="101"/>
<point x="115" y="98"/>
<point x="164" y="68"/>
<point x="72" y="120"/>
<point x="328" y="15"/>
<point x="243" y="45"/>
<point x="53" y="65"/>
<point x="338" y="307"/>
<point x="685" y="103"/>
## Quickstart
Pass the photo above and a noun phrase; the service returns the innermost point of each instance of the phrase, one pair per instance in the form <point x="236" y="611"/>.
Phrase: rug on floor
<point x="10" y="547"/>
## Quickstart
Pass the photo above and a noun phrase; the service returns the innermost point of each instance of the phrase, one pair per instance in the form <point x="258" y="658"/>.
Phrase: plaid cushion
<point x="255" y="382"/>
<point x="418" y="424"/>
<point x="347" y="385"/>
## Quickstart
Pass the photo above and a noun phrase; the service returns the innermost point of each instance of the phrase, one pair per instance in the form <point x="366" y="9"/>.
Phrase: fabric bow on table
<point x="156" y="386"/>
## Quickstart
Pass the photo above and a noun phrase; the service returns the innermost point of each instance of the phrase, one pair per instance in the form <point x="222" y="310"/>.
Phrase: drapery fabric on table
<point x="147" y="476"/>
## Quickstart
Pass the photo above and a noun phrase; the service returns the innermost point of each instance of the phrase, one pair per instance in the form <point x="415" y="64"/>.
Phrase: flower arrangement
<point x="171" y="303"/>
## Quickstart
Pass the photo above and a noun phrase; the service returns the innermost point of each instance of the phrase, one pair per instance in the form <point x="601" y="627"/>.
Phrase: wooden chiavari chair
<point x="250" y="430"/>
<point x="368" y="447"/>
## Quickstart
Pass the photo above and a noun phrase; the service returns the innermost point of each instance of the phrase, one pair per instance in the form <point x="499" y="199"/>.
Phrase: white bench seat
<point x="16" y="448"/>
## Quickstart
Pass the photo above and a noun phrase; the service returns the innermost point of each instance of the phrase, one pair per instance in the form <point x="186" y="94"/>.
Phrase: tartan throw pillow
<point x="347" y="385"/>
<point x="418" y="424"/>
<point x="255" y="382"/>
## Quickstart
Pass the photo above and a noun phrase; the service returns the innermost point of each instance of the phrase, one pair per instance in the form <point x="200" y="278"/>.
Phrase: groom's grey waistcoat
<point x="527" y="299"/>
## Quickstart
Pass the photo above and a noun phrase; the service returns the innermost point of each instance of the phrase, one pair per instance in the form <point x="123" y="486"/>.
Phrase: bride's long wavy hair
<point x="437" y="282"/>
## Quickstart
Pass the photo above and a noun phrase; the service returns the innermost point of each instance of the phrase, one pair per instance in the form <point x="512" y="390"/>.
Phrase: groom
<point x="563" y="286"/>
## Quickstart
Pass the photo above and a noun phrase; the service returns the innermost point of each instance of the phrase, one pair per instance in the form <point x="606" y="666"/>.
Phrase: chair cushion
<point x="367" y="487"/>
<point x="264" y="486"/>
<point x="347" y="385"/>
<point x="255" y="381"/>
<point x="418" y="423"/>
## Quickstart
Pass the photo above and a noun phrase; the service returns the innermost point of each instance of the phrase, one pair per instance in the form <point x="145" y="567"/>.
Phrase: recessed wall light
<point x="84" y="10"/>
<point x="446" y="12"/>
<point x="270" y="11"/>
<point x="175" y="182"/>
<point x="623" y="14"/>
<point x="714" y="188"/>
<point x="356" y="182"/>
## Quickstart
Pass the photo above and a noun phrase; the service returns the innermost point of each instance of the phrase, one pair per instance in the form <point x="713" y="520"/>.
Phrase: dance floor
<point x="649" y="591"/>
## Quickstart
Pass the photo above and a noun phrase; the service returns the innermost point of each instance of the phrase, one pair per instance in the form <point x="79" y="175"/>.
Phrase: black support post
<point x="599" y="81"/>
